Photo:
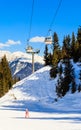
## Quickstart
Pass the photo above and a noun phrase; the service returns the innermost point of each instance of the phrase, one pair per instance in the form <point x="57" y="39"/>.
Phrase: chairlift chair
<point x="48" y="40"/>
<point x="29" y="49"/>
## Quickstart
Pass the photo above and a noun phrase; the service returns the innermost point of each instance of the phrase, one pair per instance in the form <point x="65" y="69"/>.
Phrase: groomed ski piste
<point x="37" y="94"/>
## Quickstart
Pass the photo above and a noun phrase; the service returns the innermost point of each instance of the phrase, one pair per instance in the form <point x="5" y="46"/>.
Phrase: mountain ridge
<point x="21" y="63"/>
<point x="18" y="54"/>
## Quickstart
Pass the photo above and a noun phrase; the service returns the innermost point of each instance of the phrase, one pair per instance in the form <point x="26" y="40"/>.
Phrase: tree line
<point x="60" y="60"/>
<point x="6" y="79"/>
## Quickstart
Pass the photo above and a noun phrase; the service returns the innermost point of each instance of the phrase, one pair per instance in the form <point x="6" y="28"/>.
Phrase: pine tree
<point x="76" y="57"/>
<point x="66" y="48"/>
<point x="53" y="72"/>
<point x="73" y="83"/>
<point x="55" y="56"/>
<point x="73" y="88"/>
<point x="49" y="59"/>
<point x="60" y="69"/>
<point x="67" y="76"/>
<point x="73" y="42"/>
<point x="60" y="85"/>
<point x="78" y="51"/>
<point x="79" y="87"/>
<point x="47" y="56"/>
<point x="6" y="73"/>
<point x="1" y="82"/>
<point x="55" y="41"/>
<point x="56" y="50"/>
<point x="79" y="35"/>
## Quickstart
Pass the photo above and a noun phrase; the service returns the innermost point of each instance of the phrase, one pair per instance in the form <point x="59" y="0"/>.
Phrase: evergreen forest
<point x="6" y="80"/>
<point x="60" y="59"/>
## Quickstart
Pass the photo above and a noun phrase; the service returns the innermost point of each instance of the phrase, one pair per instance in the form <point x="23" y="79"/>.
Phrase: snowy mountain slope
<point x="21" y="63"/>
<point x="37" y="92"/>
<point x="21" y="68"/>
<point x="37" y="86"/>
<point x="13" y="56"/>
<point x="33" y="90"/>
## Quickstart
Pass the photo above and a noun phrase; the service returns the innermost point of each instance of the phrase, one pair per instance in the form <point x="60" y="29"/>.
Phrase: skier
<point x="26" y="113"/>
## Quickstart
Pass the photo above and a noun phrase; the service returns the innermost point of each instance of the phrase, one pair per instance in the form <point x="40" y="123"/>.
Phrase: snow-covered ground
<point x="37" y="93"/>
<point x="14" y="120"/>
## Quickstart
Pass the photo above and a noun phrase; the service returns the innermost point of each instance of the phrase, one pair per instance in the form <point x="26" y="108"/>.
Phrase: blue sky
<point x="15" y="21"/>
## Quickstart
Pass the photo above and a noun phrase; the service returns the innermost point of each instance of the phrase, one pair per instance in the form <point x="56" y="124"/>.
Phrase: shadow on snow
<point x="37" y="106"/>
<point x="70" y="119"/>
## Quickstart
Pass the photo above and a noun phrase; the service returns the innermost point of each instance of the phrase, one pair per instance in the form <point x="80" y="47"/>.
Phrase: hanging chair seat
<point x="29" y="49"/>
<point x="48" y="40"/>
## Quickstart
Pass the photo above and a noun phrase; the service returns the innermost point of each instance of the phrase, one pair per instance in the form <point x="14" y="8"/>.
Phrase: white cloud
<point x="9" y="43"/>
<point x="2" y="45"/>
<point x="37" y="39"/>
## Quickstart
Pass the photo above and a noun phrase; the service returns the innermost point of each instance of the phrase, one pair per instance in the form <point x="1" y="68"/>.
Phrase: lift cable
<point x="29" y="49"/>
<point x="53" y="20"/>
<point x="30" y="27"/>
<point x="55" y="14"/>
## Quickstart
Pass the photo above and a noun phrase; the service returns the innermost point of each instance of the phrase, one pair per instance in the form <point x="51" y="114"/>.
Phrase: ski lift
<point x="49" y="39"/>
<point x="29" y="49"/>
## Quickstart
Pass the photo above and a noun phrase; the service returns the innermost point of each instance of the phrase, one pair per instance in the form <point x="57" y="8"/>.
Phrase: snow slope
<point x="37" y="93"/>
<point x="38" y="90"/>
